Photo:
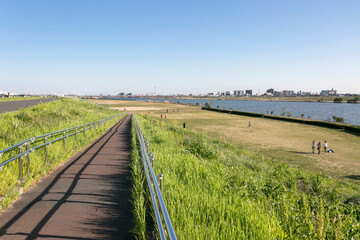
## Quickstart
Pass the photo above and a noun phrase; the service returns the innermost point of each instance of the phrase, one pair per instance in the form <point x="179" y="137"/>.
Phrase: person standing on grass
<point x="313" y="146"/>
<point x="325" y="146"/>
<point x="319" y="147"/>
<point x="249" y="123"/>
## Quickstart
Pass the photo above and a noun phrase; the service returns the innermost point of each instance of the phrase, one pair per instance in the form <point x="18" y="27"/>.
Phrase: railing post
<point x="84" y="132"/>
<point x="45" y="149"/>
<point x="152" y="158"/>
<point x="146" y="144"/>
<point x="152" y="161"/>
<point x="28" y="158"/>
<point x="76" y="131"/>
<point x="64" y="141"/>
<point x="20" y="165"/>
<point x="159" y="179"/>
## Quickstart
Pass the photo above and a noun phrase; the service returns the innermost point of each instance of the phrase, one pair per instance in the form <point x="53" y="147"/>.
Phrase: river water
<point x="312" y="110"/>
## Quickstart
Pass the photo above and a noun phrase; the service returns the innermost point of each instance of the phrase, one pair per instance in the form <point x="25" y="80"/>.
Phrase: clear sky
<point x="187" y="46"/>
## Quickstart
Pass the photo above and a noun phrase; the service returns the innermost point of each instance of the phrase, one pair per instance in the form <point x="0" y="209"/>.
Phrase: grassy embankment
<point x="18" y="98"/>
<point x="41" y="119"/>
<point x="279" y="140"/>
<point x="214" y="190"/>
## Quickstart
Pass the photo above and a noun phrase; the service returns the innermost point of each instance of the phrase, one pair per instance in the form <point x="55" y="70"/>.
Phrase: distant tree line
<point x="340" y="100"/>
<point x="355" y="100"/>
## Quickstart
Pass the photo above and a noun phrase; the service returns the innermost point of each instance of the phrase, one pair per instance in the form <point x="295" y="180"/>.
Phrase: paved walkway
<point x="10" y="106"/>
<point x="87" y="198"/>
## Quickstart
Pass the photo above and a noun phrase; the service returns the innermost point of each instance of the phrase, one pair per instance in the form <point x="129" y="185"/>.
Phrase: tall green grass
<point x="214" y="190"/>
<point x="138" y="191"/>
<point x="38" y="120"/>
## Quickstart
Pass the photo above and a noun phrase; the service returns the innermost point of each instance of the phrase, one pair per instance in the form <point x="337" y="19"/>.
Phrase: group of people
<point x="318" y="146"/>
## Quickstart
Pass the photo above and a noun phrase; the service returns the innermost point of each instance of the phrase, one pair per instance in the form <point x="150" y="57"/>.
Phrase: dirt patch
<point x="136" y="108"/>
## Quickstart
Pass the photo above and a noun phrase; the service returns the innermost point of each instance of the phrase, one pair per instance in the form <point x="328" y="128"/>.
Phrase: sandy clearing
<point x="136" y="108"/>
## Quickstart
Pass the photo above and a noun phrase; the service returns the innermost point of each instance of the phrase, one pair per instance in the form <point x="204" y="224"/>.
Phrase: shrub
<point x="338" y="100"/>
<point x="355" y="100"/>
<point x="338" y="119"/>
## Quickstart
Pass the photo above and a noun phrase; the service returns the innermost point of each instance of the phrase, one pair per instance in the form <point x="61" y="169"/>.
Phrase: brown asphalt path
<point x="10" y="106"/>
<point x="86" y="198"/>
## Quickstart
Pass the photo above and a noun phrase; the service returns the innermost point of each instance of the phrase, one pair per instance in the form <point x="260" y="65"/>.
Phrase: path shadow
<point x="118" y="219"/>
<point x="297" y="152"/>
<point x="353" y="177"/>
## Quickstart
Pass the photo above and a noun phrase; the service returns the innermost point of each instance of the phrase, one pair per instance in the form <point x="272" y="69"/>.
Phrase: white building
<point x="238" y="92"/>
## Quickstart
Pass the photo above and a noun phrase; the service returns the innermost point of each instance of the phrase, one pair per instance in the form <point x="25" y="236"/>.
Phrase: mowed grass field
<point x="282" y="141"/>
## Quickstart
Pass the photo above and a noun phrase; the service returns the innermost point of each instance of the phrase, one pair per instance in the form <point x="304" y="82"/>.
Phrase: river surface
<point x="312" y="110"/>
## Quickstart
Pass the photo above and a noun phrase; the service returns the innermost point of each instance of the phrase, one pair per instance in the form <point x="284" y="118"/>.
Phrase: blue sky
<point x="106" y="46"/>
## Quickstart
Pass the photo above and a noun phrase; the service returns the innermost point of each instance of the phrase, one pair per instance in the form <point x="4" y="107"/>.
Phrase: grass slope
<point x="283" y="141"/>
<point x="214" y="190"/>
<point x="41" y="119"/>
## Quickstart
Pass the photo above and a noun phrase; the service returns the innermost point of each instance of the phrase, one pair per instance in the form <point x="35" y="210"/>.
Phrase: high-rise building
<point x="248" y="92"/>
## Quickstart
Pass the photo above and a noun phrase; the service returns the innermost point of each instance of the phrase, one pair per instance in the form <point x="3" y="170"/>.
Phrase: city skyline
<point x="183" y="47"/>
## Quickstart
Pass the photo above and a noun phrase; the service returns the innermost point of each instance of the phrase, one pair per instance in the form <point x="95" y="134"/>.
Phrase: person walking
<point x="319" y="147"/>
<point x="325" y="146"/>
<point x="313" y="146"/>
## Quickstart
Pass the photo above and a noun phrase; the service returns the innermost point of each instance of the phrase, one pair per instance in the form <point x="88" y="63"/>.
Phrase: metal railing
<point x="46" y="140"/>
<point x="155" y="185"/>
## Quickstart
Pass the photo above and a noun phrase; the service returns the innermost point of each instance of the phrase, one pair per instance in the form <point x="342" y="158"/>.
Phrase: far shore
<point x="250" y="98"/>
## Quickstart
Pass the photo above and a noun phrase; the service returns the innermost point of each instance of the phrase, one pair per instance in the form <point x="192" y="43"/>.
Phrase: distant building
<point x="331" y="92"/>
<point x="228" y="93"/>
<point x="248" y="92"/>
<point x="278" y="93"/>
<point x="270" y="91"/>
<point x="288" y="93"/>
<point x="238" y="92"/>
<point x="211" y="94"/>
<point x="303" y="94"/>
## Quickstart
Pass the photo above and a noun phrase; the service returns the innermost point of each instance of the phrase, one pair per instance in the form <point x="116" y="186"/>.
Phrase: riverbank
<point x="282" y="141"/>
<point x="334" y="125"/>
<point x="320" y="99"/>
